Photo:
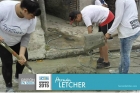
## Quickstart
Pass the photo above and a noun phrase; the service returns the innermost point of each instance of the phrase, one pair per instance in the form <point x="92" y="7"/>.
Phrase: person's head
<point x="75" y="16"/>
<point x="30" y="8"/>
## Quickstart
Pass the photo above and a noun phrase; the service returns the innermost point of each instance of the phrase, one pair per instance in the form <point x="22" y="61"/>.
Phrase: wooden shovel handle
<point x="14" y="53"/>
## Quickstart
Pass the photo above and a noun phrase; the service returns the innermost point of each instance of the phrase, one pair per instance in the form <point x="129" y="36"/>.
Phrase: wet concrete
<point x="72" y="39"/>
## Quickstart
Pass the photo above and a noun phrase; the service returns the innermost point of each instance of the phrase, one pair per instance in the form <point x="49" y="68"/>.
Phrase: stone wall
<point x="58" y="8"/>
<point x="62" y="8"/>
<point x="84" y="3"/>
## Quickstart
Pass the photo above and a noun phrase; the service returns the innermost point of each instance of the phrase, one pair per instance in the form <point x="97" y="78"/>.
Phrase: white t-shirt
<point x="126" y="19"/>
<point x="94" y="14"/>
<point x="12" y="28"/>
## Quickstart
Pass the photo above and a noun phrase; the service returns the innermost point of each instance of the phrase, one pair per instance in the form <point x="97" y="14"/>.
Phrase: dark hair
<point x="74" y="14"/>
<point x="32" y="6"/>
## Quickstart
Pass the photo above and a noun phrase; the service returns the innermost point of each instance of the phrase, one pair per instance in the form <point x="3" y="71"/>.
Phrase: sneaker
<point x="111" y="38"/>
<point x="104" y="65"/>
<point x="16" y="80"/>
<point x="114" y="71"/>
<point x="9" y="89"/>
<point x="100" y="61"/>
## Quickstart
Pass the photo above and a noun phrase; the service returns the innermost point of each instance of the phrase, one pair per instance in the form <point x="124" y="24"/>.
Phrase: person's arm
<point x="88" y="24"/>
<point x="1" y="39"/>
<point x="103" y="3"/>
<point x="22" y="55"/>
<point x="22" y="50"/>
<point x="118" y="16"/>
<point x="89" y="29"/>
<point x="25" y="39"/>
<point x="24" y="42"/>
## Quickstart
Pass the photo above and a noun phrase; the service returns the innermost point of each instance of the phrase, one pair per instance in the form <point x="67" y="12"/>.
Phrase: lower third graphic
<point x="43" y="82"/>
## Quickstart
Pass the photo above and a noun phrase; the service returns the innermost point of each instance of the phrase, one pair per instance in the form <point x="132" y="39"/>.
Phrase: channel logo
<point x="43" y="78"/>
<point x="27" y="81"/>
<point x="43" y="81"/>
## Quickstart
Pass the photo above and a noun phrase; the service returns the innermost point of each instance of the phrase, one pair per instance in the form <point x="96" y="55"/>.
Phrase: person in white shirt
<point x="126" y="21"/>
<point x="94" y="14"/>
<point x="103" y="29"/>
<point x="17" y="22"/>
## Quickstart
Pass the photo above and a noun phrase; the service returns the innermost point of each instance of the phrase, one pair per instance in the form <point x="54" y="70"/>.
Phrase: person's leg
<point x="105" y="48"/>
<point x="101" y="53"/>
<point x="104" y="51"/>
<point x="104" y="29"/>
<point x="100" y="49"/>
<point x="126" y="46"/>
<point x="100" y="59"/>
<point x="121" y="57"/>
<point x="19" y="68"/>
<point x="7" y="61"/>
<point x="106" y="63"/>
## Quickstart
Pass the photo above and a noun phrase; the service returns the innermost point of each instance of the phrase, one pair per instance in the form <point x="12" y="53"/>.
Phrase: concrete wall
<point x="58" y="8"/>
<point x="62" y="8"/>
<point x="84" y="3"/>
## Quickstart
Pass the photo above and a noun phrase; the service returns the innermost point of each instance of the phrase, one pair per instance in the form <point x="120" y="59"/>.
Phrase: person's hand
<point x="23" y="59"/>
<point x="1" y="39"/>
<point x="105" y="5"/>
<point x="107" y="35"/>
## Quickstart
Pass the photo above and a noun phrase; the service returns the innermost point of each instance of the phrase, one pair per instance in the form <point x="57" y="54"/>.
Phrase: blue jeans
<point x="125" y="50"/>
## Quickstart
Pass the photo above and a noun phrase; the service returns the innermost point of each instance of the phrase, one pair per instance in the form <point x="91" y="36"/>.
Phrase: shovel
<point x="16" y="55"/>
